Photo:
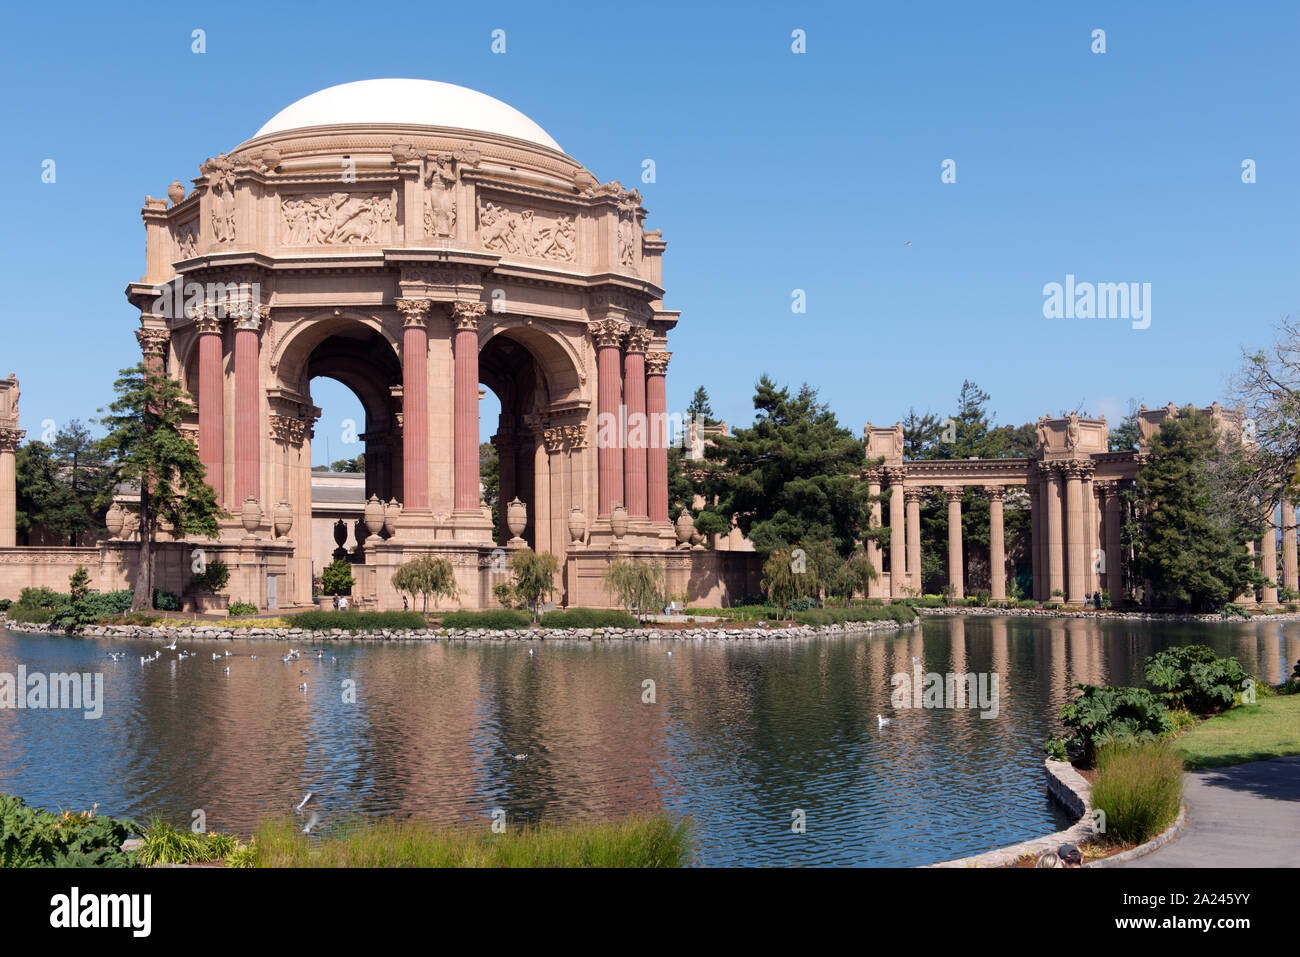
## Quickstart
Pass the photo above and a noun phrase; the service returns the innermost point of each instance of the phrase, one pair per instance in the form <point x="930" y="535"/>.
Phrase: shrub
<point x="588" y="618"/>
<point x="359" y="620"/>
<point x="980" y="597"/>
<point x="837" y="616"/>
<point x="1056" y="748"/>
<point x="242" y="608"/>
<point x="498" y="619"/>
<point x="35" y="837"/>
<point x="165" y="601"/>
<point x="1140" y="789"/>
<point x="214" y="577"/>
<point x="1195" y="678"/>
<point x="1230" y="610"/>
<point x="5" y="603"/>
<point x="1101" y="716"/>
<point x="337" y="578"/>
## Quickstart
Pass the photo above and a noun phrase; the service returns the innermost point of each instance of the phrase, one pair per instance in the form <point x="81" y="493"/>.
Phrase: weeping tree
<point x="638" y="586"/>
<point x="145" y="448"/>
<point x="532" y="578"/>
<point x="428" y="577"/>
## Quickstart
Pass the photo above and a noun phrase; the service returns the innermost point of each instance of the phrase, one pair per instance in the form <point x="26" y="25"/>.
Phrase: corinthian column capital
<point x="153" y="342"/>
<point x="656" y="363"/>
<point x="466" y="315"/>
<point x="607" y="332"/>
<point x="638" y="339"/>
<point x="10" y="439"/>
<point x="415" y="312"/>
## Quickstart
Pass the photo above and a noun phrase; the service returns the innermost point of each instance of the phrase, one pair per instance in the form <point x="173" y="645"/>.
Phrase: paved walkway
<point x="1242" y="816"/>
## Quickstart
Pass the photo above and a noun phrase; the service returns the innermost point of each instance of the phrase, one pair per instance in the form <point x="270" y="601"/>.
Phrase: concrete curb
<point x="1142" y="850"/>
<point x="1067" y="786"/>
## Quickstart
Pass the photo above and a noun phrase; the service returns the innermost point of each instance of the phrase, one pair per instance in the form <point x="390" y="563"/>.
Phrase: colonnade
<point x="631" y="424"/>
<point x="1075" y="542"/>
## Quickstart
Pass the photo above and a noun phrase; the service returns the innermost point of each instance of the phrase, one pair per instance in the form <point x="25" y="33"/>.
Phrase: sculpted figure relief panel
<point x="528" y="232"/>
<point x="337" y="219"/>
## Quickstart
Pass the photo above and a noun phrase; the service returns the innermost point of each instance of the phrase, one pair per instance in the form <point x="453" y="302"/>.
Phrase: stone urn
<point x="282" y="519"/>
<point x="114" y="520"/>
<point x="516" y="518"/>
<point x="340" y="536"/>
<point x="373" y="515"/>
<point x="392" y="512"/>
<point x="684" y="527"/>
<point x="176" y="192"/>
<point x="618" y="522"/>
<point x="577" y="524"/>
<point x="697" y="540"/>
<point x="486" y="509"/>
<point x="251" y="515"/>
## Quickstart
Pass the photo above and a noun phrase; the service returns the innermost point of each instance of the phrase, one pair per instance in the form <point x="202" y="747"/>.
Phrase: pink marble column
<point x="912" y="502"/>
<point x="248" y="434"/>
<point x="997" y="545"/>
<point x="608" y="334"/>
<point x="637" y="436"/>
<point x="1055" y="547"/>
<point x="212" y="402"/>
<point x="415" y="403"/>
<point x="897" y="534"/>
<point x="875" y="587"/>
<point x="656" y="395"/>
<point x="1268" y="558"/>
<point x="1290" y="580"/>
<point x="956" y="573"/>
<point x="466" y="316"/>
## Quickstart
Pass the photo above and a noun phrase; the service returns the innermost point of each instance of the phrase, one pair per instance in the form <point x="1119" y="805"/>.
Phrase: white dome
<point x="408" y="103"/>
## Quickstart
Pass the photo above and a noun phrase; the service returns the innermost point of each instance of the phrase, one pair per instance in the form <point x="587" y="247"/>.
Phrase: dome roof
<point x="408" y="103"/>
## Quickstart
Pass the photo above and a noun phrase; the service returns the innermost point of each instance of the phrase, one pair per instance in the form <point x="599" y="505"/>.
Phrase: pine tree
<point x="1188" y="544"/>
<point x="145" y="448"/>
<point x="794" y="477"/>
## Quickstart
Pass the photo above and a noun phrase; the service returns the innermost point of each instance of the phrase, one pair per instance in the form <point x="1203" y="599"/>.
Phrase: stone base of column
<point x="471" y="525"/>
<point x="414" y="526"/>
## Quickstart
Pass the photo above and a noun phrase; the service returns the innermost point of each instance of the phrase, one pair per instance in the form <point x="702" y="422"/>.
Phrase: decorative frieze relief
<point x="527" y="232"/>
<point x="220" y="172"/>
<point x="187" y="239"/>
<point x="337" y="219"/>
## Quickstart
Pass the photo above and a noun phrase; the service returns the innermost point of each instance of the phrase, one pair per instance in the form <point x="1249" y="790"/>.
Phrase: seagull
<point x="521" y="757"/>
<point x="883" y="721"/>
<point x="172" y="646"/>
<point x="303" y="803"/>
<point x="227" y="671"/>
<point x="215" y="656"/>
<point x="302" y="687"/>
<point x="530" y="651"/>
<point x="907" y="244"/>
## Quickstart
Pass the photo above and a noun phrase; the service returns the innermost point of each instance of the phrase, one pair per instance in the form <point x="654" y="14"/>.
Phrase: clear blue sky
<point x="775" y="171"/>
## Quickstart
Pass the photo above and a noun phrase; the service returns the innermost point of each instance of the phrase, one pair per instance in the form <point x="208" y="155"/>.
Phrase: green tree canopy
<point x="794" y="476"/>
<point x="1188" y="541"/>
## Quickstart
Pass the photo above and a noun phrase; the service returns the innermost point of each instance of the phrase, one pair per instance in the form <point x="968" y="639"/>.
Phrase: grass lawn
<point x="1270" y="728"/>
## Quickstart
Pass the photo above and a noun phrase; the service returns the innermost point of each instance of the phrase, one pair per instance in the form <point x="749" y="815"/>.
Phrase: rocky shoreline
<point x="215" y="631"/>
<point x="1101" y="615"/>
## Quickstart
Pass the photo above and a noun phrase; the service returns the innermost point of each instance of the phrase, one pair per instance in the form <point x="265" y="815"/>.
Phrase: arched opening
<point x="510" y="370"/>
<point x="350" y="372"/>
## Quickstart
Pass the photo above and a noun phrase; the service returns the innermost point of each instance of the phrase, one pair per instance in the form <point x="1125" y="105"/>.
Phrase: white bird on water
<point x="227" y="671"/>
<point x="172" y="646"/>
<point x="521" y="757"/>
<point x="303" y="803"/>
<point x="881" y="722"/>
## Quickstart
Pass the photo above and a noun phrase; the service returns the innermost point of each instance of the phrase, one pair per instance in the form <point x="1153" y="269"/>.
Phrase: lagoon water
<point x="740" y="736"/>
